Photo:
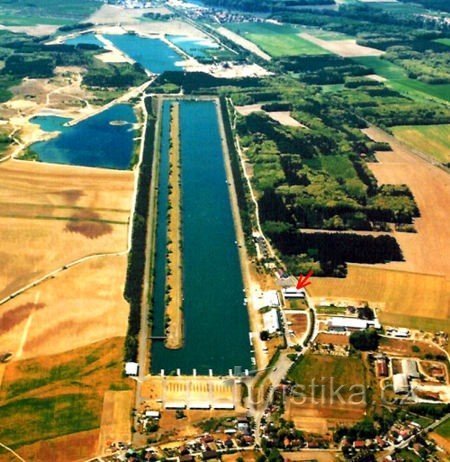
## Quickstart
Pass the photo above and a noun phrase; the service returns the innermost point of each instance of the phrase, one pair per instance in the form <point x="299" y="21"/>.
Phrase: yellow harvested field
<point x="394" y="291"/>
<point x="116" y="419"/>
<point x="81" y="305"/>
<point x="345" y="48"/>
<point x="51" y="215"/>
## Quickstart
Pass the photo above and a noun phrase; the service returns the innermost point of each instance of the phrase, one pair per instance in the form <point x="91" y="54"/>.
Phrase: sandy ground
<point x="52" y="215"/>
<point x="173" y="27"/>
<point x="427" y="250"/>
<point x="344" y="48"/>
<point x="282" y="117"/>
<point x="81" y="305"/>
<point x="74" y="447"/>
<point x="39" y="30"/>
<point x="116" y="419"/>
<point x="114" y="55"/>
<point x="244" y="43"/>
<point x="174" y="277"/>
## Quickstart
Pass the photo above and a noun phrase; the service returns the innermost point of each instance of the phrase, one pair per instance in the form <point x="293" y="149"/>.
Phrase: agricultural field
<point x="328" y="373"/>
<point x="433" y="140"/>
<point x="396" y="292"/>
<point x="52" y="12"/>
<point x="444" y="41"/>
<point x="58" y="399"/>
<point x="70" y="213"/>
<point x="347" y="48"/>
<point x="276" y="40"/>
<point x="399" y="81"/>
<point x="422" y="253"/>
<point x="79" y="306"/>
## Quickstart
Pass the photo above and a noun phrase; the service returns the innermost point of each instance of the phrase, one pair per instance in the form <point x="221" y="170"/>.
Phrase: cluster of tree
<point x="265" y="5"/>
<point x="243" y="195"/>
<point x="322" y="70"/>
<point x="122" y="75"/>
<point x="76" y="27"/>
<point x="361" y="430"/>
<point x="332" y="250"/>
<point x="156" y="16"/>
<point x="439" y="5"/>
<point x="136" y="259"/>
<point x="199" y="82"/>
<point x="365" y="340"/>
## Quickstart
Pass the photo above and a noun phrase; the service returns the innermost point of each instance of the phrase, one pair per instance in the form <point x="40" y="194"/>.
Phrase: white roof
<point x="271" y="322"/>
<point x="270" y="298"/>
<point x="409" y="367"/>
<point x="152" y="414"/>
<point x="294" y="292"/>
<point x="223" y="406"/>
<point x="199" y="405"/>
<point x="131" y="368"/>
<point x="400" y="382"/>
<point x="353" y="323"/>
<point x="175" y="405"/>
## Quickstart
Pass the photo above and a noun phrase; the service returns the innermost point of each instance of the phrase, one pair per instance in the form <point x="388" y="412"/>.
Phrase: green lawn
<point x="399" y="80"/>
<point x="444" y="41"/>
<point x="409" y="456"/>
<point x="276" y="40"/>
<point x="338" y="166"/>
<point x="444" y="429"/>
<point x="433" y="140"/>
<point x="53" y="12"/>
<point x="329" y="371"/>
<point x="326" y="34"/>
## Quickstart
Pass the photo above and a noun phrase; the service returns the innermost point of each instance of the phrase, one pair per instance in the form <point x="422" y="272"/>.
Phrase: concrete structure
<point x="400" y="384"/>
<point x="340" y="323"/>
<point x="271" y="321"/>
<point x="293" y="292"/>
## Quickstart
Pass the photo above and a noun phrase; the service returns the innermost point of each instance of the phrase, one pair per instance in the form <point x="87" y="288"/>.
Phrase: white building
<point x="341" y="323"/>
<point x="131" y="368"/>
<point x="271" y="321"/>
<point x="410" y="369"/>
<point x="293" y="292"/>
<point x="400" y="383"/>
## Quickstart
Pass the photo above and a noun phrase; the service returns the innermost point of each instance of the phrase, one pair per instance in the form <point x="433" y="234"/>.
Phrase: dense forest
<point x="265" y="5"/>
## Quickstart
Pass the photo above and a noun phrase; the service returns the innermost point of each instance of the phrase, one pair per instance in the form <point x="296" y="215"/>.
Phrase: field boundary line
<point x="12" y="452"/>
<point x="55" y="272"/>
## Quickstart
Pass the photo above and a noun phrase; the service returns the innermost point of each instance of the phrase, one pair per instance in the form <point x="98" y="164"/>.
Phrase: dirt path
<point x="174" y="277"/>
<point x="244" y="43"/>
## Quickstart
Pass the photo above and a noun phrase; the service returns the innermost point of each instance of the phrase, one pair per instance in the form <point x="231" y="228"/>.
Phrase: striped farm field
<point x="276" y="39"/>
<point x="433" y="140"/>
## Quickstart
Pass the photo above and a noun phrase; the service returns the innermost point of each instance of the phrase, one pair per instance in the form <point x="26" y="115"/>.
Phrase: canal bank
<point x="216" y="322"/>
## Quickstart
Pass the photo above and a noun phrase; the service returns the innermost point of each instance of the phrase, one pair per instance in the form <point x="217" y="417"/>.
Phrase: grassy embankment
<point x="174" y="273"/>
<point x="277" y="40"/>
<point x="433" y="140"/>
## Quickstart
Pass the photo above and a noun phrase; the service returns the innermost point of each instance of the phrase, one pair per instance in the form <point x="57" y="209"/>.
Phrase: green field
<point x="433" y="140"/>
<point x="399" y="80"/>
<point x="444" y="41"/>
<point x="345" y="371"/>
<point x="338" y="166"/>
<point x="444" y="429"/>
<point x="53" y="12"/>
<point x="326" y="34"/>
<point x="276" y="40"/>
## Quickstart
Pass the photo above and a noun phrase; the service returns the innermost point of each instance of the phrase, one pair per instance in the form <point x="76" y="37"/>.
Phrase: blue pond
<point x="104" y="140"/>
<point x="84" y="39"/>
<point x="155" y="55"/>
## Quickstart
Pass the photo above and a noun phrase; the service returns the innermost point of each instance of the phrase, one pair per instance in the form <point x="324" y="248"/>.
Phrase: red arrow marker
<point x="304" y="281"/>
